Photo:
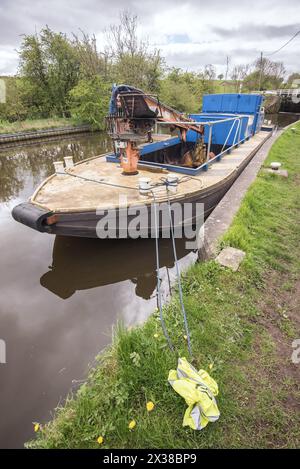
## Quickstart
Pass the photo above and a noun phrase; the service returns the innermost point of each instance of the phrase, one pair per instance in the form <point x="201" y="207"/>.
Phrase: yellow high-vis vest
<point x="198" y="390"/>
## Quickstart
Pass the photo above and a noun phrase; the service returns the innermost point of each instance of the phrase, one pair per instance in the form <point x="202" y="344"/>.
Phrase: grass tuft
<point x="30" y="125"/>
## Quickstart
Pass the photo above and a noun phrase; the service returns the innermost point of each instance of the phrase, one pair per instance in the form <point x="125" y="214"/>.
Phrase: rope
<point x="164" y="182"/>
<point x="178" y="279"/>
<point x="158" y="290"/>
<point x="97" y="181"/>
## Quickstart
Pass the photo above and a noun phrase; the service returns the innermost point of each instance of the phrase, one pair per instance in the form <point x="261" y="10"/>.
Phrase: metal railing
<point x="235" y="143"/>
<point x="236" y="127"/>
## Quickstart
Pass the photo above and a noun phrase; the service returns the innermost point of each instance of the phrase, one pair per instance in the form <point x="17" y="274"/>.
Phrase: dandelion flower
<point x="131" y="424"/>
<point x="36" y="427"/>
<point x="185" y="337"/>
<point x="100" y="440"/>
<point x="150" y="406"/>
<point x="155" y="335"/>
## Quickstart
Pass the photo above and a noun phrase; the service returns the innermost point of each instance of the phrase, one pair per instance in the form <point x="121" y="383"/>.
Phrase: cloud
<point x="8" y="61"/>
<point x="189" y="33"/>
<point x="248" y="31"/>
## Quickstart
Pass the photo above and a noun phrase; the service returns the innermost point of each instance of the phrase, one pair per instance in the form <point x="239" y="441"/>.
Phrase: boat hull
<point x="86" y="223"/>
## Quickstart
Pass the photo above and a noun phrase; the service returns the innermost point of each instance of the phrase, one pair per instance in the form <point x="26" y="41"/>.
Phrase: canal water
<point x="60" y="297"/>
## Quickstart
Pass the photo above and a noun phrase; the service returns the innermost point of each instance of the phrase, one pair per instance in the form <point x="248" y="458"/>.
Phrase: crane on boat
<point x="134" y="114"/>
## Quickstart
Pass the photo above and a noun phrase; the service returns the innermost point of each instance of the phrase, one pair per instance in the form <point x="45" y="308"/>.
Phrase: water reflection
<point x="36" y="161"/>
<point x="80" y="264"/>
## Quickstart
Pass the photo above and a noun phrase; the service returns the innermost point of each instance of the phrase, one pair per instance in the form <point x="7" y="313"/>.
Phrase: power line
<point x="290" y="40"/>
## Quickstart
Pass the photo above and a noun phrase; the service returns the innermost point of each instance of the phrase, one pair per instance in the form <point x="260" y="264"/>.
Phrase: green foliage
<point x="60" y="75"/>
<point x="50" y="68"/>
<point x="92" y="62"/>
<point x="13" y="109"/>
<point x="294" y="77"/>
<point x="266" y="75"/>
<point x="89" y="101"/>
<point x="138" y="70"/>
<point x="183" y="90"/>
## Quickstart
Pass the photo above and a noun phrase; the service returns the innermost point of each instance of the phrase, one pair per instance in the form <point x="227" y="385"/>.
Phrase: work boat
<point x="192" y="162"/>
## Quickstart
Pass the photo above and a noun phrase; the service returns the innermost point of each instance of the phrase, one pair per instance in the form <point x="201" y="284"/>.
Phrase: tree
<point x="133" y="62"/>
<point x="183" y="90"/>
<point x="92" y="61"/>
<point x="207" y="77"/>
<point x="13" y="109"/>
<point x="294" y="80"/>
<point x="50" y="68"/>
<point x="89" y="101"/>
<point x="266" y="75"/>
<point x="238" y="74"/>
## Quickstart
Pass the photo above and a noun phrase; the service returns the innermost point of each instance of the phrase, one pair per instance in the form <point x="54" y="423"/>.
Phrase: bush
<point x="89" y="101"/>
<point x="13" y="109"/>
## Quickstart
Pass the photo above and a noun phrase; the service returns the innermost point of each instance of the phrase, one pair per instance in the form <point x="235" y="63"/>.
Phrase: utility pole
<point x="260" y="72"/>
<point x="227" y="67"/>
<point x="226" y="72"/>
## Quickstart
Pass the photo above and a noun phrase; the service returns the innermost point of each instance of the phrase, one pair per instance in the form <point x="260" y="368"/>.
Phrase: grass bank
<point x="35" y="124"/>
<point x="243" y="323"/>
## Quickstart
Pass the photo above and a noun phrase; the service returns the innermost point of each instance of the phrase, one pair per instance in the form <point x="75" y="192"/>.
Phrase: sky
<point x="189" y="33"/>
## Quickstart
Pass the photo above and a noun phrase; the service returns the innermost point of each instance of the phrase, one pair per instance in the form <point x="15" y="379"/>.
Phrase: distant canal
<point x="60" y="297"/>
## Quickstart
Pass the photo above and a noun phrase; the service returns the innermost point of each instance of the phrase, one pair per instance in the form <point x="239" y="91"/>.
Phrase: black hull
<point x="83" y="224"/>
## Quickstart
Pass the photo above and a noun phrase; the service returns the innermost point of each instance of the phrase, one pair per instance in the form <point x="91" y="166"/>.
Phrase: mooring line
<point x="163" y="325"/>
<point x="164" y="182"/>
<point x="97" y="181"/>
<point x="178" y="278"/>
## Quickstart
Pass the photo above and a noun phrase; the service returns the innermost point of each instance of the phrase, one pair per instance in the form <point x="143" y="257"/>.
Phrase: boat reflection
<point x="81" y="264"/>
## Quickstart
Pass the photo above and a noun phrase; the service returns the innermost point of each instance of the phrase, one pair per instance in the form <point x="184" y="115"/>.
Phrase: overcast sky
<point x="189" y="34"/>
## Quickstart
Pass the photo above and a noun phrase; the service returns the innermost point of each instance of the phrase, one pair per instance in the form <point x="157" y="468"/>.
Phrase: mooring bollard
<point x="69" y="162"/>
<point x="172" y="182"/>
<point x="59" y="166"/>
<point x="144" y="186"/>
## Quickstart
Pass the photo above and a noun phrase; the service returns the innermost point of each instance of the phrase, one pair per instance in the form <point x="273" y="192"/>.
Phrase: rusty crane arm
<point x="133" y="115"/>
